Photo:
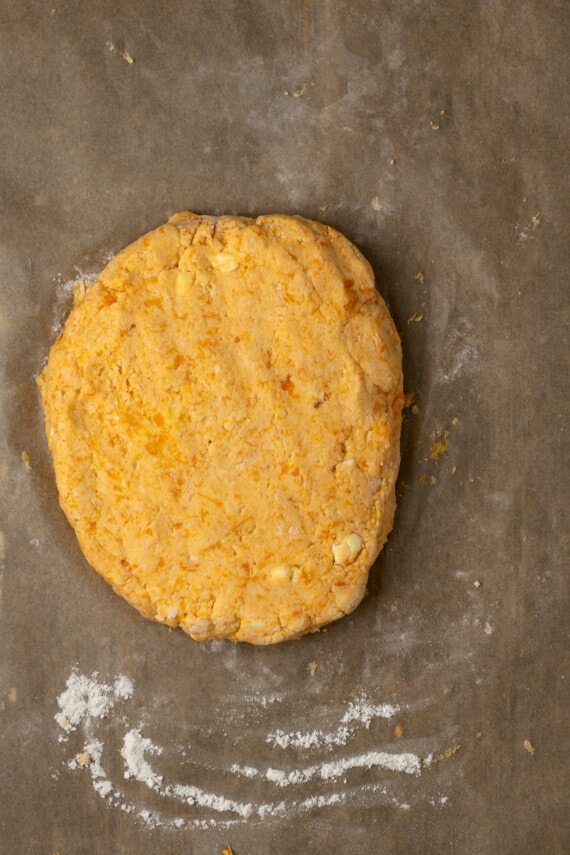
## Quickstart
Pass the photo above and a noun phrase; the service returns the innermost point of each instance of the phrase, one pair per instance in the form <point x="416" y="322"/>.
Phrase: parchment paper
<point x="434" y="135"/>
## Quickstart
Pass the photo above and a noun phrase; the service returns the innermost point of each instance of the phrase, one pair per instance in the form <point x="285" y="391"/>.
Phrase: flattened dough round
<point x="223" y="408"/>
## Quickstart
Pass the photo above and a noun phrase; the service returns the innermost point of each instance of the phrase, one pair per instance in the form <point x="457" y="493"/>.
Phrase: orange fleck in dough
<point x="224" y="414"/>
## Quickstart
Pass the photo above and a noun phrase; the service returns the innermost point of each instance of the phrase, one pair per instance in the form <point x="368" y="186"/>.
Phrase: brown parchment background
<point x="435" y="136"/>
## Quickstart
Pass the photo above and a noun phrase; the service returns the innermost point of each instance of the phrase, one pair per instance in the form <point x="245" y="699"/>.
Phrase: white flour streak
<point x="407" y="762"/>
<point x="321" y="801"/>
<point x="361" y="712"/>
<point x="364" y="711"/>
<point x="132" y="752"/>
<point x="194" y="796"/>
<point x="316" y="739"/>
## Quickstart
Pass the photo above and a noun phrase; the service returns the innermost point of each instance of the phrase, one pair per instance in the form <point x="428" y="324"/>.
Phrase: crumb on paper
<point x="392" y="162"/>
<point x="415" y="410"/>
<point x="427" y="479"/>
<point x="455" y="421"/>
<point x="109" y="45"/>
<point x="434" y="125"/>
<point x="84" y="759"/>
<point x="420" y="277"/>
<point x="227" y="850"/>
<point x="479" y="734"/>
<point x="445" y="755"/>
<point x="313" y="668"/>
<point x="323" y="207"/>
<point x="376" y="204"/>
<point x="297" y="93"/>
<point x="414" y="319"/>
<point x="26" y="459"/>
<point x="127" y="57"/>
<point x="453" y="470"/>
<point x="439" y="448"/>
<point x="536" y="220"/>
<point x="529" y="746"/>
<point x="476" y="584"/>
<point x="488" y="629"/>
<point x="398" y="730"/>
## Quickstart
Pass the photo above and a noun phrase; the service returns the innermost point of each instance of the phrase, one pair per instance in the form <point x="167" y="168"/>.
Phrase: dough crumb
<point x="529" y="746"/>
<point x="446" y="755"/>
<point x="84" y="759"/>
<point x="439" y="448"/>
<point x="300" y="92"/>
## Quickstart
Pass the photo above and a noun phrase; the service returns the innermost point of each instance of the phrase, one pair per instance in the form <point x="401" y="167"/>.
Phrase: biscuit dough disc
<point x="223" y="408"/>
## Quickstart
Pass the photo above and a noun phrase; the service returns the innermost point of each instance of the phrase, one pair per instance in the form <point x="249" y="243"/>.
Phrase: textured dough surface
<point x="223" y="408"/>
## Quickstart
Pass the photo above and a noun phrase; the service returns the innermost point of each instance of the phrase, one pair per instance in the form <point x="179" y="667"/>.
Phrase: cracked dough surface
<point x="223" y="408"/>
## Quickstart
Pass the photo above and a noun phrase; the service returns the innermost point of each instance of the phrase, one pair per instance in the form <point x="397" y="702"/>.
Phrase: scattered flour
<point x="361" y="712"/>
<point x="364" y="711"/>
<point x="315" y="739"/>
<point x="87" y="701"/>
<point x="81" y="278"/>
<point x="133" y="751"/>
<point x="90" y="758"/>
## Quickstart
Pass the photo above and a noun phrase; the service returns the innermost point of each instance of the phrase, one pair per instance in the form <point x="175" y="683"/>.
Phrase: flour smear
<point x="287" y="784"/>
<point x="82" y="278"/>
